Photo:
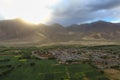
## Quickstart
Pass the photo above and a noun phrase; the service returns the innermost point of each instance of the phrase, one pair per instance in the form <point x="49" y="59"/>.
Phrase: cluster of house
<point x="66" y="58"/>
<point x="41" y="55"/>
<point x="105" y="60"/>
<point x="72" y="56"/>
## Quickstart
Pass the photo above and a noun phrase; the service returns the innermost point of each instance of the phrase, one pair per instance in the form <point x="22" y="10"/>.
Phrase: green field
<point x="13" y="67"/>
<point x="48" y="70"/>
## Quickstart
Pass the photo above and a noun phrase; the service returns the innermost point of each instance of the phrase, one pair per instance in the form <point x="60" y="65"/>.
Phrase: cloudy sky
<point x="65" y="12"/>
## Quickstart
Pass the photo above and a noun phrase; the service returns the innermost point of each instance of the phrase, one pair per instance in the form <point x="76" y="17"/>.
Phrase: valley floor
<point x="17" y="63"/>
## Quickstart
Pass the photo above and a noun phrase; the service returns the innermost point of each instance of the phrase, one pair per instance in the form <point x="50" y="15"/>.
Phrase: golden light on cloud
<point x="36" y="11"/>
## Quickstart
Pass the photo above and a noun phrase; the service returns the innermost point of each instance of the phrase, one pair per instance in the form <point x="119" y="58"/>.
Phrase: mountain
<point x="97" y="30"/>
<point x="18" y="31"/>
<point x="14" y="29"/>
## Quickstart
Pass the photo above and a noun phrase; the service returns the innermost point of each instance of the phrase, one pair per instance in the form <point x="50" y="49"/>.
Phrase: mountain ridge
<point x="17" y="30"/>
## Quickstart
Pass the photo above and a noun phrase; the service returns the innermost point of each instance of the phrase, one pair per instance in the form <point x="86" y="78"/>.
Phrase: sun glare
<point x="35" y="11"/>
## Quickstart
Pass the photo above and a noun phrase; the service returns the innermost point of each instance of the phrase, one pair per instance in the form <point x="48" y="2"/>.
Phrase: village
<point x="66" y="62"/>
<point x="97" y="58"/>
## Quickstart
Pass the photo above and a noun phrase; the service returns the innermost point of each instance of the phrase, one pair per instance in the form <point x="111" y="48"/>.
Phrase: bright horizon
<point x="34" y="11"/>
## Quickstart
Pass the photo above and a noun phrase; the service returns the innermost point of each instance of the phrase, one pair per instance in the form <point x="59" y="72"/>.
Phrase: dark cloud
<point x="106" y="4"/>
<point x="80" y="11"/>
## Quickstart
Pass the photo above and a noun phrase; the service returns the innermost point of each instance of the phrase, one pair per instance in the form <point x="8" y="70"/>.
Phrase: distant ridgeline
<point x="17" y="31"/>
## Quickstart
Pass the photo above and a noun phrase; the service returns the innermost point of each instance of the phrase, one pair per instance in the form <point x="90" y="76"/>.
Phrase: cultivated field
<point x="18" y="64"/>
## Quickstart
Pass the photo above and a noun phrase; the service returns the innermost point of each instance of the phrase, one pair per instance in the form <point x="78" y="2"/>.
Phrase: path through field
<point x="67" y="72"/>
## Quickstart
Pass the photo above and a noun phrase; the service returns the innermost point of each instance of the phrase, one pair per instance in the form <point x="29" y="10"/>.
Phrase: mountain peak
<point x="101" y="21"/>
<point x="19" y="19"/>
<point x="56" y="24"/>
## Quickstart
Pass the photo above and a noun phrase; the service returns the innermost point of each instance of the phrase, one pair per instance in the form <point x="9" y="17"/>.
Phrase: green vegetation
<point x="17" y="64"/>
<point x="47" y="70"/>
